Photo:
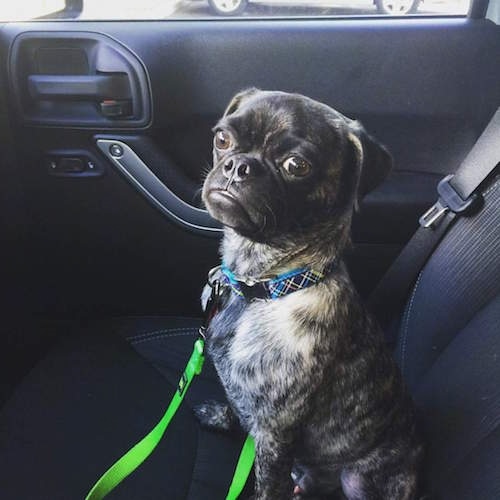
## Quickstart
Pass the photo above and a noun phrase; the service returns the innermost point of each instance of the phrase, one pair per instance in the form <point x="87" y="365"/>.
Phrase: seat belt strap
<point x="481" y="160"/>
<point x="457" y="196"/>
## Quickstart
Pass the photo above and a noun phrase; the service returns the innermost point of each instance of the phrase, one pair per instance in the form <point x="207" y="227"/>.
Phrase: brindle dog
<point x="308" y="375"/>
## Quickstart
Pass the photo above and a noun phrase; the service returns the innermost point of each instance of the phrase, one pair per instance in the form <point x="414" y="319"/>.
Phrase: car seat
<point x="104" y="385"/>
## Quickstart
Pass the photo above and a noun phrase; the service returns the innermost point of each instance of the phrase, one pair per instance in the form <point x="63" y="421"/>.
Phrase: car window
<point x="200" y="9"/>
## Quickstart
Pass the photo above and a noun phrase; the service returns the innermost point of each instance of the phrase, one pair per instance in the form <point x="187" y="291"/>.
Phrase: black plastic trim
<point x="101" y="51"/>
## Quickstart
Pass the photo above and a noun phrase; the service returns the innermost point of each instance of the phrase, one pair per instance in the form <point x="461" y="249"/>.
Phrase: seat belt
<point x="458" y="196"/>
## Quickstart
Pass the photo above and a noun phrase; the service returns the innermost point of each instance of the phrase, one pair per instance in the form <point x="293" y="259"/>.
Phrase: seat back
<point x="449" y="353"/>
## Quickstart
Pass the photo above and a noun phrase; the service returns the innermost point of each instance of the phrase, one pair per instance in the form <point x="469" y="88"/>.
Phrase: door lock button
<point x="116" y="150"/>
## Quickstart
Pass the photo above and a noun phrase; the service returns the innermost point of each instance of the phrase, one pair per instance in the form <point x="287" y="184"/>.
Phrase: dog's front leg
<point x="273" y="465"/>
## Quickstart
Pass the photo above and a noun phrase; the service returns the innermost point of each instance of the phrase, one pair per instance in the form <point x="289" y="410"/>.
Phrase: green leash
<point x="138" y="453"/>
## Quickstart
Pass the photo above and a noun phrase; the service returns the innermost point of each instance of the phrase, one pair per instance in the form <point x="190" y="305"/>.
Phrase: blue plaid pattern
<point x="276" y="287"/>
<point x="303" y="278"/>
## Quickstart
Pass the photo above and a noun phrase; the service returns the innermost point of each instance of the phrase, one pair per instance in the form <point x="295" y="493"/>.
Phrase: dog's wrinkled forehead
<point x="265" y="117"/>
<point x="345" y="159"/>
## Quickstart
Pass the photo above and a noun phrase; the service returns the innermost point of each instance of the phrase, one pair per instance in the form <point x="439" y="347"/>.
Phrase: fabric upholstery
<point x="449" y="352"/>
<point x="103" y="387"/>
<point x="92" y="398"/>
<point x="460" y="278"/>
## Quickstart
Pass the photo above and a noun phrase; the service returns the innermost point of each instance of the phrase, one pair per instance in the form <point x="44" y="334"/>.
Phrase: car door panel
<point x="99" y="245"/>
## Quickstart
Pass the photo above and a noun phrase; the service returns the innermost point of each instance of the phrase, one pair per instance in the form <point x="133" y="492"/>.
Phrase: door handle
<point x="123" y="157"/>
<point x="100" y="87"/>
<point x="107" y="88"/>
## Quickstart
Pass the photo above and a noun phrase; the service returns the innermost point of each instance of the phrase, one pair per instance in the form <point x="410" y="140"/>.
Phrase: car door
<point x="105" y="133"/>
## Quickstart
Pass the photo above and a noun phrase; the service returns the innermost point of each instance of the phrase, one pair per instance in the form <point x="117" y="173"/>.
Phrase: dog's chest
<point x="259" y="349"/>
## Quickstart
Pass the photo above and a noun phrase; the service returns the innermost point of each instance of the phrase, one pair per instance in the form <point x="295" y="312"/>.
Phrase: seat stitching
<point x="407" y="321"/>
<point x="160" y="336"/>
<point x="492" y="187"/>
<point x="154" y="332"/>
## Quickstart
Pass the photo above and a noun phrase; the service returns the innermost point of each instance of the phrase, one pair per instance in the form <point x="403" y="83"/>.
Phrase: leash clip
<point x="213" y="301"/>
<point x="210" y="279"/>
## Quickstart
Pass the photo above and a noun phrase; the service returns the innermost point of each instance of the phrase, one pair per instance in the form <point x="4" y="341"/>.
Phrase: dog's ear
<point x="372" y="160"/>
<point x="238" y="99"/>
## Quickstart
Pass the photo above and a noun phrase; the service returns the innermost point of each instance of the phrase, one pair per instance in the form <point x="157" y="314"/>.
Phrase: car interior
<point x="105" y="139"/>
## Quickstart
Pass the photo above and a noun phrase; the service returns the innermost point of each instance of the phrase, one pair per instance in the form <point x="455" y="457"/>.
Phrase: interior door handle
<point x="152" y="188"/>
<point x="115" y="86"/>
<point x="107" y="88"/>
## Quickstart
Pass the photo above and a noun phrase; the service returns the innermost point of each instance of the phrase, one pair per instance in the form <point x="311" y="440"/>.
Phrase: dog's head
<point x="284" y="163"/>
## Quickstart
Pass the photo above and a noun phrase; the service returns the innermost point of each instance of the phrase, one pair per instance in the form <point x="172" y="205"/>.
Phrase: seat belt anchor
<point x="449" y="200"/>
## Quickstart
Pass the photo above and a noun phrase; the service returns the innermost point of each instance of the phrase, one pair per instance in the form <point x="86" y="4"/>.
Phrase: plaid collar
<point x="277" y="287"/>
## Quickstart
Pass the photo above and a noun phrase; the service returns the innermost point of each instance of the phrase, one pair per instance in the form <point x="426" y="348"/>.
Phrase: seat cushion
<point x="93" y="397"/>
<point x="459" y="400"/>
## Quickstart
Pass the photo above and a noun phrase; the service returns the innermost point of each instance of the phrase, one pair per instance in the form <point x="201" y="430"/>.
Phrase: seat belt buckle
<point x="449" y="200"/>
<point x="433" y="215"/>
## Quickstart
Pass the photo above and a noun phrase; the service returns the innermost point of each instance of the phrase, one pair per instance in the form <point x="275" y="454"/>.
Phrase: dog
<point x="307" y="374"/>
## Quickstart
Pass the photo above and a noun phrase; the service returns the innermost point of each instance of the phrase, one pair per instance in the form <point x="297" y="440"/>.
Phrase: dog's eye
<point x="222" y="140"/>
<point x="297" y="166"/>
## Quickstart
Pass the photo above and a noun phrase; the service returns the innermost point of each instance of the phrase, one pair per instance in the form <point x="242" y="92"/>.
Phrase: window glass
<point x="199" y="9"/>
<point x="13" y="10"/>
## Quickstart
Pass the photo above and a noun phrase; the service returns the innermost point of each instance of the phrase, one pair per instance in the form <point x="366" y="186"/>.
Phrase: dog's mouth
<point x="228" y="209"/>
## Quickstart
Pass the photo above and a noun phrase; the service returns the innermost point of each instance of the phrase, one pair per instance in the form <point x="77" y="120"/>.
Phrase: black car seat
<point x="103" y="386"/>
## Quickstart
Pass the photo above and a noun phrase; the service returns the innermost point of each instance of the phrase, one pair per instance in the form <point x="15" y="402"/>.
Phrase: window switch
<point x="70" y="165"/>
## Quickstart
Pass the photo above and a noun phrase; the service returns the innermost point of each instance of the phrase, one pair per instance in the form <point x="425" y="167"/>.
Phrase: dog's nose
<point x="237" y="169"/>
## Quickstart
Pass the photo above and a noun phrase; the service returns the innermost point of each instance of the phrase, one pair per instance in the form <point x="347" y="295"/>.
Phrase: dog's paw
<point x="216" y="416"/>
<point x="333" y="496"/>
<point x="299" y="494"/>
